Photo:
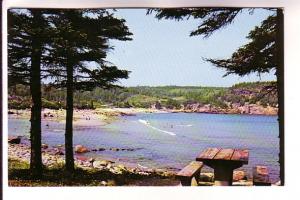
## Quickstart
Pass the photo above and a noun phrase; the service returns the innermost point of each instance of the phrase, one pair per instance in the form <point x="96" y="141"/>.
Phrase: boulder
<point x="58" y="152"/>
<point x="101" y="149"/>
<point x="100" y="164"/>
<point x="14" y="139"/>
<point x="239" y="175"/>
<point x="242" y="183"/>
<point x="81" y="149"/>
<point x="82" y="158"/>
<point x="111" y="183"/>
<point x="45" y="146"/>
<point x="207" y="177"/>
<point x="104" y="183"/>
<point x="115" y="170"/>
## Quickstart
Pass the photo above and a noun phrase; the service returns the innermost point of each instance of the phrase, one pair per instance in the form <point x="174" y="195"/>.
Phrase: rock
<point x="242" y="183"/>
<point x="101" y="149"/>
<point x="45" y="146"/>
<point x="111" y="183"/>
<point x="104" y="183"/>
<point x="114" y="149"/>
<point x="144" y="173"/>
<point x="115" y="170"/>
<point x="122" y="167"/>
<point x="108" y="166"/>
<point x="14" y="139"/>
<point x="81" y="149"/>
<point x="130" y="149"/>
<point x="94" y="149"/>
<point x="100" y="164"/>
<point x="239" y="175"/>
<point x="60" y="145"/>
<point x="82" y="158"/>
<point x="207" y="177"/>
<point x="205" y="183"/>
<point x="58" y="152"/>
<point x="278" y="183"/>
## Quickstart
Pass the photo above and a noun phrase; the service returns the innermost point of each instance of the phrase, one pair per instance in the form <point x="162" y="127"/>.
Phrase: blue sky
<point x="163" y="53"/>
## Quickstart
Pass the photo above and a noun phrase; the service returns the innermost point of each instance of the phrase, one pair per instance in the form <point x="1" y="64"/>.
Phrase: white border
<point x="292" y="137"/>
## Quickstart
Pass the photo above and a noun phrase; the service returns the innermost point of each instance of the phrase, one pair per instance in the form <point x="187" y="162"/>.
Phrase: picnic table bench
<point x="192" y="170"/>
<point x="224" y="161"/>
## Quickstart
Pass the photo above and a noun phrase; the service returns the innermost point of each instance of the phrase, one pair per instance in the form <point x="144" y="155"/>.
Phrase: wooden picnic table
<point x="224" y="161"/>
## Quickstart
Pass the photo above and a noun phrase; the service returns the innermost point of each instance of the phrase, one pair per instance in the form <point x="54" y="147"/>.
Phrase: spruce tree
<point x="28" y="32"/>
<point x="79" y="51"/>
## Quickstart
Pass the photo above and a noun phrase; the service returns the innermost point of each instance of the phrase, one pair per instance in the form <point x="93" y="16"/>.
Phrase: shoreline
<point x="131" y="174"/>
<point x="102" y="116"/>
<point x="53" y="158"/>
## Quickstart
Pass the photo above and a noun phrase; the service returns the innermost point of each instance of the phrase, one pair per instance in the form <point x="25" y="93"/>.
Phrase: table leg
<point x="223" y="175"/>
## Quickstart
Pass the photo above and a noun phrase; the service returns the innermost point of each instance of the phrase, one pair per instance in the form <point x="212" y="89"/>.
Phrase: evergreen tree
<point x="28" y="33"/>
<point x="79" y="51"/>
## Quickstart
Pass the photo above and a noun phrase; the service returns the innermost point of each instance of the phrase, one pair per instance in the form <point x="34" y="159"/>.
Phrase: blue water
<point x="171" y="140"/>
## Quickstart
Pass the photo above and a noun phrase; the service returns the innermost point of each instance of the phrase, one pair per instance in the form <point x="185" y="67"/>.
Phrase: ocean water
<point x="172" y="140"/>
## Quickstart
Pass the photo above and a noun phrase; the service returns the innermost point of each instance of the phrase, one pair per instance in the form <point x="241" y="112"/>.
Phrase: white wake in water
<point x="187" y="125"/>
<point x="157" y="129"/>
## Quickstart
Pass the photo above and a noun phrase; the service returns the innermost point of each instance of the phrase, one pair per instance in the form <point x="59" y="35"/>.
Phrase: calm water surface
<point x="172" y="140"/>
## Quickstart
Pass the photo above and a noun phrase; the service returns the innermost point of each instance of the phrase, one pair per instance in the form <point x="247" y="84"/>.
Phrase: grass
<point x="19" y="174"/>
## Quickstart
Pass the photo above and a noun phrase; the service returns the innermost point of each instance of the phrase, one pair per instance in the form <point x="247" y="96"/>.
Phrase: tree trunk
<point x="280" y="88"/>
<point x="69" y="121"/>
<point x="35" y="90"/>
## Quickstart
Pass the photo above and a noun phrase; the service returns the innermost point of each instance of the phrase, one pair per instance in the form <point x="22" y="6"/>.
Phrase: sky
<point x="163" y="53"/>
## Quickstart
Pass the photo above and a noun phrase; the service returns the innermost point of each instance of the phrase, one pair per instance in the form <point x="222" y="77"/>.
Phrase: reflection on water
<point x="172" y="140"/>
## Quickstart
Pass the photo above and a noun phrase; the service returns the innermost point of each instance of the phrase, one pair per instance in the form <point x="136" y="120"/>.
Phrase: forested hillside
<point x="172" y="97"/>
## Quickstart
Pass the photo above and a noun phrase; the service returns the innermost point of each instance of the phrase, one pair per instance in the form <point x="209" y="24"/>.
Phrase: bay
<point x="171" y="140"/>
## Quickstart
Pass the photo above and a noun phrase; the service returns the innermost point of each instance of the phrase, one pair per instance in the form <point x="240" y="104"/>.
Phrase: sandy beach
<point x="86" y="117"/>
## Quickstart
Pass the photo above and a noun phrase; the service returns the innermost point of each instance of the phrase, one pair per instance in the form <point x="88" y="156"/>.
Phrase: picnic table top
<point x="219" y="154"/>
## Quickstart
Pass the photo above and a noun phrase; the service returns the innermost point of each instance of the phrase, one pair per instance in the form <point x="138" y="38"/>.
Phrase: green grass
<point x="19" y="174"/>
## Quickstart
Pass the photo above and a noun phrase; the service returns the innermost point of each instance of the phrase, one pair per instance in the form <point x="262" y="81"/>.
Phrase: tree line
<point x="171" y="97"/>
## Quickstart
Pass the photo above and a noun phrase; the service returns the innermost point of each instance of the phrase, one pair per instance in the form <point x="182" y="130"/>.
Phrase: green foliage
<point x="257" y="56"/>
<point x="51" y="104"/>
<point x="263" y="93"/>
<point x="211" y="19"/>
<point x="17" y="104"/>
<point x="142" y="101"/>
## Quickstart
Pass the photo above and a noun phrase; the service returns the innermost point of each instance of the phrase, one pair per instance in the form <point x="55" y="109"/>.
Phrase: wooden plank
<point x="261" y="175"/>
<point x="240" y="155"/>
<point x="208" y="153"/>
<point x="224" y="154"/>
<point x="191" y="169"/>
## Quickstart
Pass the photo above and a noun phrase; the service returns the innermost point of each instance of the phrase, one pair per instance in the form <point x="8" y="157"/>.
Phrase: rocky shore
<point x="53" y="158"/>
<point x="234" y="108"/>
<point x="102" y="116"/>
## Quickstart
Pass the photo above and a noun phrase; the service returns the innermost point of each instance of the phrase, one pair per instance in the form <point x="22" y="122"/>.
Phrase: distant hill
<point x="262" y="94"/>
